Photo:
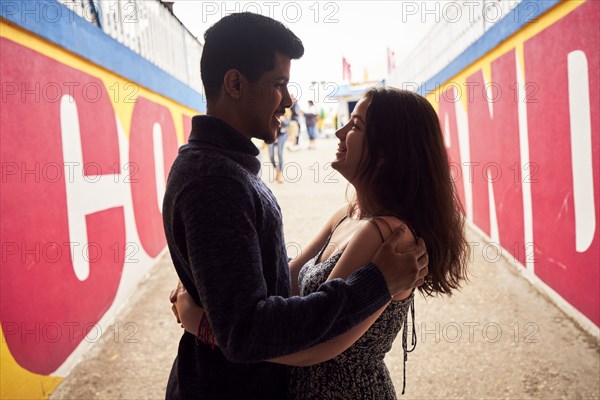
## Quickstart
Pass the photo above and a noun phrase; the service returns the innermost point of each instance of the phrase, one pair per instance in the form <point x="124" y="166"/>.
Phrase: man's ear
<point x="232" y="83"/>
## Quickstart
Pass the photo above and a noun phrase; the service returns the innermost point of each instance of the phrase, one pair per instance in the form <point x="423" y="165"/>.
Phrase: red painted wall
<point x="550" y="136"/>
<point x="45" y="308"/>
<point x="494" y="146"/>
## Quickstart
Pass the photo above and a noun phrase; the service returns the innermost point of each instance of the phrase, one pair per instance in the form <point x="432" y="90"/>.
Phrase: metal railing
<point x="148" y="28"/>
<point x="461" y="24"/>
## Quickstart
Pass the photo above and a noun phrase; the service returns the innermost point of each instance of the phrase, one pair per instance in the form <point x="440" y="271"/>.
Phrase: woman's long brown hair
<point x="404" y="172"/>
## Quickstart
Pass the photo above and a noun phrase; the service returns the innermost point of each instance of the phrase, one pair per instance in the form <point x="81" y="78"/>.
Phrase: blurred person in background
<point x="310" y="121"/>
<point x="294" y="128"/>
<point x="279" y="145"/>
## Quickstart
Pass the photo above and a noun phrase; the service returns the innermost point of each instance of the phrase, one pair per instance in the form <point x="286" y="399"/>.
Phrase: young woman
<point x="392" y="153"/>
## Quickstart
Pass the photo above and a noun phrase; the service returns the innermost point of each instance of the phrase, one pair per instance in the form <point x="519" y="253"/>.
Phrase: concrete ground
<point x="497" y="338"/>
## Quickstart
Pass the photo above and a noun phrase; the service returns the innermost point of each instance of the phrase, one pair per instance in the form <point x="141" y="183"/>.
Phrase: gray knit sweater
<point x="225" y="236"/>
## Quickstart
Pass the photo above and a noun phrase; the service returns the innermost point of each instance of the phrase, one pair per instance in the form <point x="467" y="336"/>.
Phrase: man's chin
<point x="269" y="138"/>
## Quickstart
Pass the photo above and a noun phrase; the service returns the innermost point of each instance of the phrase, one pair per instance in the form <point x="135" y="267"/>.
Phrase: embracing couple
<point x="258" y="326"/>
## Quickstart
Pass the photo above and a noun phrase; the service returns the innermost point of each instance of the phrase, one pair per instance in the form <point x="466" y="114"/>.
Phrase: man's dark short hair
<point x="246" y="42"/>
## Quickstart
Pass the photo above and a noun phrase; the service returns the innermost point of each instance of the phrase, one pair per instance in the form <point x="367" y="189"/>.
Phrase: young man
<point x="225" y="235"/>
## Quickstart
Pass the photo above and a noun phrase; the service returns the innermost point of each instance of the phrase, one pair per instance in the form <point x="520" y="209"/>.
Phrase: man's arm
<point x="225" y="259"/>
<point x="359" y="251"/>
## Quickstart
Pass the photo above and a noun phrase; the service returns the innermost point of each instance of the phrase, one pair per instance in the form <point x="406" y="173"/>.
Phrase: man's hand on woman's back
<point x="403" y="266"/>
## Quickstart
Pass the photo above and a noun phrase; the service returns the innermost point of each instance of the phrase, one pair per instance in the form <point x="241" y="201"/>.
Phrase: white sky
<point x="358" y="30"/>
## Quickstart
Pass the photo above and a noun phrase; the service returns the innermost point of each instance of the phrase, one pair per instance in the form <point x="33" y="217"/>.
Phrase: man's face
<point x="265" y="101"/>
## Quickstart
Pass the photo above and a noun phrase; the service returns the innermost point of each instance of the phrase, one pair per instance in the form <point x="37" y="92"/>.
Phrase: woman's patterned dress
<point x="359" y="372"/>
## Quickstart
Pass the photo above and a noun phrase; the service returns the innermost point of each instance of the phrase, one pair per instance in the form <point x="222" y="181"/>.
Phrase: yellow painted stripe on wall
<point x="19" y="383"/>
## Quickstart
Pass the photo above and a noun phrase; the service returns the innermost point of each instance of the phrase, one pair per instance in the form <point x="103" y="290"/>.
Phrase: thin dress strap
<point x="318" y="259"/>
<point x="372" y="220"/>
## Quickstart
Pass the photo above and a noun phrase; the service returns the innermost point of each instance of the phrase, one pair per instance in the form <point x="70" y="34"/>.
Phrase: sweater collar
<point x="211" y="130"/>
<point x="215" y="132"/>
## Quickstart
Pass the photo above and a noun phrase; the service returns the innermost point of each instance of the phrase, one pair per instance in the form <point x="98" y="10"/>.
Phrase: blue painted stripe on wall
<point x="56" y="23"/>
<point x="522" y="14"/>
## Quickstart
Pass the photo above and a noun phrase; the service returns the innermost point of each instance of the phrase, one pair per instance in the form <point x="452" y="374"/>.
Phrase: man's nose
<point x="287" y="101"/>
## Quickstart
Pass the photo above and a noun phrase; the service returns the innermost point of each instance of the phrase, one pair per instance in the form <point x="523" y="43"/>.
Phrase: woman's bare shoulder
<point x="388" y="224"/>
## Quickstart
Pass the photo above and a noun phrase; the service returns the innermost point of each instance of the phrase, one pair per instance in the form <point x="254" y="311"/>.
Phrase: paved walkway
<point x="498" y="338"/>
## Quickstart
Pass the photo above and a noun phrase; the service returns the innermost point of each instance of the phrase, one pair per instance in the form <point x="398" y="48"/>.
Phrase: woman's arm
<point x="332" y="348"/>
<point x="189" y="315"/>
<point x="373" y="233"/>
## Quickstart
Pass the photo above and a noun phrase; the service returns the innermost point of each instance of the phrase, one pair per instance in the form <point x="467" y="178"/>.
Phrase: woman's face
<point x="352" y="142"/>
